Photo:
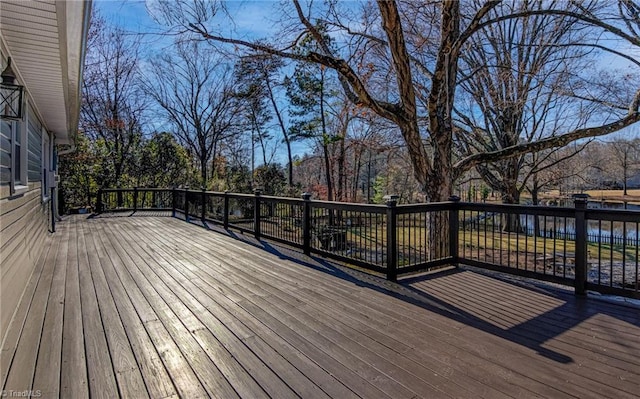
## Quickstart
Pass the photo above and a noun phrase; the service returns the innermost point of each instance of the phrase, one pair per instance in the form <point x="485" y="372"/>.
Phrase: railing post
<point x="256" y="213"/>
<point x="99" y="201"/>
<point x="135" y="199"/>
<point x="186" y="204"/>
<point x="225" y="217"/>
<point x="392" y="250"/>
<point x="203" y="201"/>
<point x="580" y="282"/>
<point x="306" y="223"/>
<point x="454" y="227"/>
<point x="173" y="201"/>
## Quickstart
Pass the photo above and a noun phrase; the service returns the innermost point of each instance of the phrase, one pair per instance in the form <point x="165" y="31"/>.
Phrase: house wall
<point x="25" y="209"/>
<point x="24" y="225"/>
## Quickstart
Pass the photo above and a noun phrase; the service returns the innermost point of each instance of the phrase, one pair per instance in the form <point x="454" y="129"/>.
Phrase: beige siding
<point x="24" y="225"/>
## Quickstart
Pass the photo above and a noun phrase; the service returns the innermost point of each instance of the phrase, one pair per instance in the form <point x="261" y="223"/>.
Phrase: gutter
<point x="71" y="149"/>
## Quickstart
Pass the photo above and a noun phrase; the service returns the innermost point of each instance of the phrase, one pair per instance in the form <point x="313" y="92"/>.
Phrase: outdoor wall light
<point x="10" y="94"/>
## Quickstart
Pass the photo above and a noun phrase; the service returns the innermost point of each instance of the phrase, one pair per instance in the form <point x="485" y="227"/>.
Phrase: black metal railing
<point x="590" y="249"/>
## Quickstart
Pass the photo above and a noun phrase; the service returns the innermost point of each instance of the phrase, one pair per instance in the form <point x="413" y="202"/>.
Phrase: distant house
<point x="45" y="41"/>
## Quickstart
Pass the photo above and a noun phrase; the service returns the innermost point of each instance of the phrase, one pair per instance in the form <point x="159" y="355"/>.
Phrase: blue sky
<point x="252" y="19"/>
<point x="255" y="19"/>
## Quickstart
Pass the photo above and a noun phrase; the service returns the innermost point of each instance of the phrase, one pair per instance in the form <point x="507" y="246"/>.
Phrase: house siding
<point x="24" y="225"/>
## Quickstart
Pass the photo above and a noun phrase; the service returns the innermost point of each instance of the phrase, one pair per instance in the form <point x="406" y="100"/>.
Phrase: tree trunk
<point x="283" y="129"/>
<point x="356" y="174"/>
<point x="342" y="172"/>
<point x="327" y="172"/>
<point x="203" y="171"/>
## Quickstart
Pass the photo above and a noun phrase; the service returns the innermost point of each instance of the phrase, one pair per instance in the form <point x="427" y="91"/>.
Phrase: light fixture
<point x="10" y="94"/>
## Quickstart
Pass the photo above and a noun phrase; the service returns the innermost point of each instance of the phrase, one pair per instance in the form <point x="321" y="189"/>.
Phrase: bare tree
<point x="516" y="74"/>
<point x="195" y="91"/>
<point x="112" y="105"/>
<point x="625" y="159"/>
<point x="433" y="165"/>
<point x="457" y="25"/>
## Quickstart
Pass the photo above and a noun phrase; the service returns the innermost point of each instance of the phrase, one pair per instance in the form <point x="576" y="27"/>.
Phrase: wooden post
<point x="203" y="201"/>
<point x="580" y="282"/>
<point x="225" y="217"/>
<point x="256" y="213"/>
<point x="99" y="201"/>
<point x="454" y="226"/>
<point x="135" y="199"/>
<point x="306" y="224"/>
<point x="119" y="197"/>
<point x="186" y="204"/>
<point x="173" y="201"/>
<point x="392" y="250"/>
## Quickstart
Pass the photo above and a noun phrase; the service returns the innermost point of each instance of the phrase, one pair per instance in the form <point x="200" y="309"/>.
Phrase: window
<point x="19" y="157"/>
<point x="6" y="135"/>
<point x="13" y="156"/>
<point x="34" y="147"/>
<point x="14" y="152"/>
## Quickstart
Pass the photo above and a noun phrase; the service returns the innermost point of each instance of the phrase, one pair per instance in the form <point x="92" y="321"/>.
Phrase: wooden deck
<point x="154" y="307"/>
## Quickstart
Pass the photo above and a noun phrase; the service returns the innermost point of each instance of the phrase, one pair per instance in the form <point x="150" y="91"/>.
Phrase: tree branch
<point x="550" y="142"/>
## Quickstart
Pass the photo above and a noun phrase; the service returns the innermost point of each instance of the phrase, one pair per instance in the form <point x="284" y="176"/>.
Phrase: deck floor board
<point x="156" y="307"/>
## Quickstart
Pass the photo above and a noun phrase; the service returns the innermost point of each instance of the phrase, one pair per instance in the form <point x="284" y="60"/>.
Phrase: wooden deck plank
<point x="576" y="334"/>
<point x="259" y="336"/>
<point x="583" y="391"/>
<point x="125" y="364"/>
<point x="263" y="281"/>
<point x="346" y="375"/>
<point x="395" y="367"/>
<point x="215" y="317"/>
<point x="102" y="380"/>
<point x="241" y="368"/>
<point x="208" y="374"/>
<point x="74" y="378"/>
<point x="207" y="341"/>
<point x="156" y="378"/>
<point x="235" y="336"/>
<point x="348" y="317"/>
<point x="605" y="359"/>
<point x="367" y="366"/>
<point x="183" y="377"/>
<point x="355" y="335"/>
<point x="48" y="367"/>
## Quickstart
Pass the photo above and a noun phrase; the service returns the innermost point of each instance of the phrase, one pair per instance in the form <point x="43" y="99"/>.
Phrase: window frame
<point x="19" y="129"/>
